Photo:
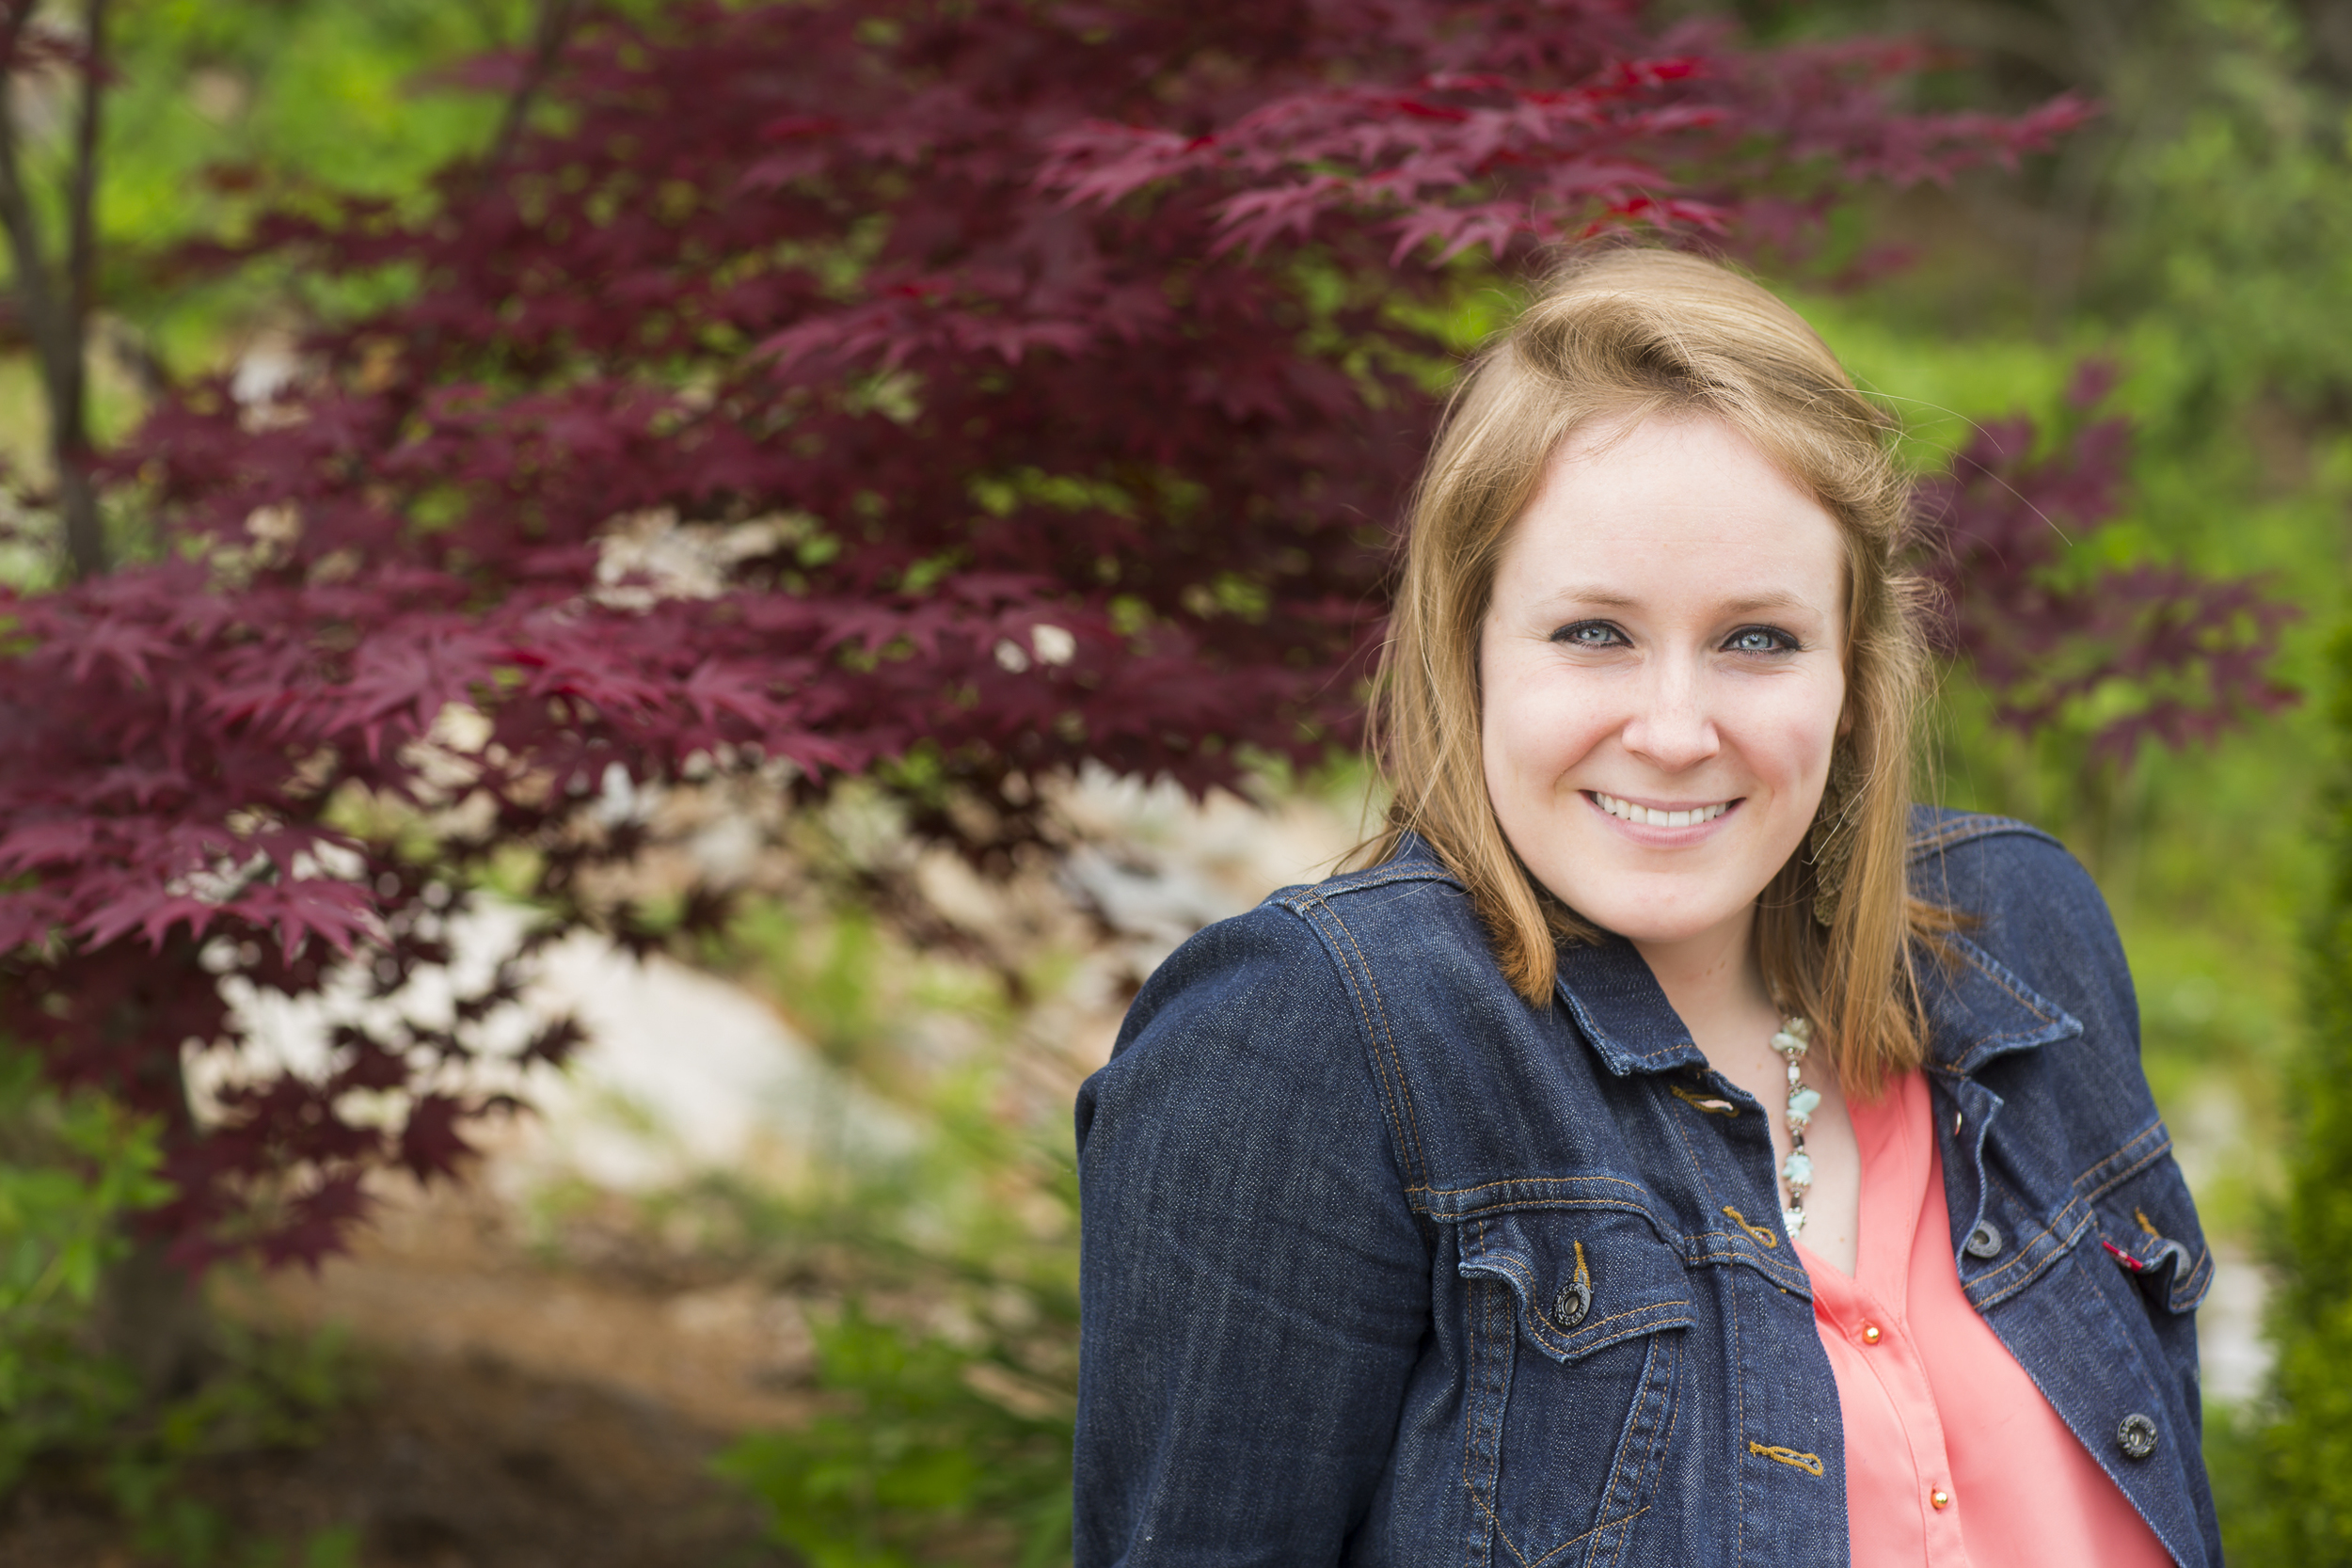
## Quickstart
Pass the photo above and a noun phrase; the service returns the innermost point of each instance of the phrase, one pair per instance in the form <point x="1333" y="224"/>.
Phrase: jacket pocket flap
<point x="2147" y="1223"/>
<point x="1582" y="1279"/>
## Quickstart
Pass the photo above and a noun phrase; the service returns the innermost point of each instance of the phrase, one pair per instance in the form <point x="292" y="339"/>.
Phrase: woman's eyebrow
<point x="1746" y="604"/>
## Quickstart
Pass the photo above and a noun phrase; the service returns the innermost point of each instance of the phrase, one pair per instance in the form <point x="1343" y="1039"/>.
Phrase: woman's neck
<point x="1713" y="983"/>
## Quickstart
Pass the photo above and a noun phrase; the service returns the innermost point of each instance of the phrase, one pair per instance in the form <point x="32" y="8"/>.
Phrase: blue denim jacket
<point x="1384" y="1266"/>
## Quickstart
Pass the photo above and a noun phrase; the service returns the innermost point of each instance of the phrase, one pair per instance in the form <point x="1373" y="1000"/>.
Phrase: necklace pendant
<point x="1792" y="1221"/>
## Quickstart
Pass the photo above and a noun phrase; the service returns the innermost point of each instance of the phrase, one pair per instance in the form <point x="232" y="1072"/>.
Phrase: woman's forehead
<point x="1673" y="507"/>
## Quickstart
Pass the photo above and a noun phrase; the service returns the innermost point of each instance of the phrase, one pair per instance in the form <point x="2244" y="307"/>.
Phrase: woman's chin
<point x="1646" y="923"/>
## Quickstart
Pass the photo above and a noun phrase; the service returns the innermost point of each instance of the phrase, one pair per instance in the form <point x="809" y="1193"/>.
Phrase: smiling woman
<point x="1668" y="1146"/>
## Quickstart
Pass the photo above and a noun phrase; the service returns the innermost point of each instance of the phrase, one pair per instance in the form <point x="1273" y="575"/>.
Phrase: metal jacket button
<point x="2137" y="1436"/>
<point x="1984" y="1240"/>
<point x="1575" y="1298"/>
<point x="1570" y="1307"/>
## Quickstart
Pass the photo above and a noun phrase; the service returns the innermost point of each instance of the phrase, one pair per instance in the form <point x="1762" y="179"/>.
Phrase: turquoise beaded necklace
<point x="1797" y="1171"/>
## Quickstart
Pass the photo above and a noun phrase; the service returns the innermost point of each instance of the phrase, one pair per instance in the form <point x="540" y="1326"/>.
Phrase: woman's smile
<point x="1651" y="816"/>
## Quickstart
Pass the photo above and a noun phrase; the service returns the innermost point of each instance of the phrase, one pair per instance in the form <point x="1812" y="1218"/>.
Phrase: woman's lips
<point x="1659" y="821"/>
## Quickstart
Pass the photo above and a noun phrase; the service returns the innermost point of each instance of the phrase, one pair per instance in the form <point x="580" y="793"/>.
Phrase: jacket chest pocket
<point x="1576" y="1347"/>
<point x="2148" y="1225"/>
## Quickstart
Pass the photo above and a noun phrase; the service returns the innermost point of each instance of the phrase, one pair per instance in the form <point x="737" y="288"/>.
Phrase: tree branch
<point x="84" y="530"/>
<point x="556" y="20"/>
<point x="55" y="309"/>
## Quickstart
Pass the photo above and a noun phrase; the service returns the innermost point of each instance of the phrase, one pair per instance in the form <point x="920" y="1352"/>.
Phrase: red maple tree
<point x="948" y="395"/>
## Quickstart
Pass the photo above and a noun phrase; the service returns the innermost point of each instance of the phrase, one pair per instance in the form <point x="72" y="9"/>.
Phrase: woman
<point x="1669" y="1148"/>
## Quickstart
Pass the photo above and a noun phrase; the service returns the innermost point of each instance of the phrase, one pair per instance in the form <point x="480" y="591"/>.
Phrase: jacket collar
<point x="1618" y="1007"/>
<point x="1977" y="1008"/>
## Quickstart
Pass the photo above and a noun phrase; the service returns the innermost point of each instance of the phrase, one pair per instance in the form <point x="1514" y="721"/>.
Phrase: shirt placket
<point x="1868" y="1312"/>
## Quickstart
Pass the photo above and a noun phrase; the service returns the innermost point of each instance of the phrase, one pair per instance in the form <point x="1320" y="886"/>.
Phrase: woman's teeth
<point x="1648" y="817"/>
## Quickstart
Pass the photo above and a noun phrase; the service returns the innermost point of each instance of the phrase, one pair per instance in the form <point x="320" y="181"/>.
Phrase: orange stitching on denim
<point x="1533" y="1205"/>
<point x="1527" y="1181"/>
<point x="2141" y="1215"/>
<point x="1586" y="1332"/>
<point x="1658" y="1346"/>
<point x="1770" y="1268"/>
<point x="1392" y="1074"/>
<point x="2025" y="1258"/>
<point x="2024" y="1249"/>
<point x="1809" y="1463"/>
<point x="1480" y="1290"/>
<point x="1572" y="1540"/>
<point x="2063" y="1244"/>
<point x="1984" y="969"/>
<point x="1664" y="1438"/>
<point x="1739" y="1401"/>
<point x="1961" y="828"/>
<point x="1755" y="1232"/>
<point x="2139" y="1163"/>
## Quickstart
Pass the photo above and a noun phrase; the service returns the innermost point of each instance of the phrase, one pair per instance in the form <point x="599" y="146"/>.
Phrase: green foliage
<point x="2299" y="1506"/>
<point x="915" y="1463"/>
<point x="71" y="1167"/>
<point x="262" y="1394"/>
<point x="941" y="1261"/>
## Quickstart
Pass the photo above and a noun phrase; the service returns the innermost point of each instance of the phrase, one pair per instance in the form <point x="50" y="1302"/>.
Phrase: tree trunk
<point x="155" y="1320"/>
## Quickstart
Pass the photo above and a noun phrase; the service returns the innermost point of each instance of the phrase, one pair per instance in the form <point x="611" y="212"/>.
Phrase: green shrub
<point x="915" y="1463"/>
<point x="2295" y="1505"/>
<point x="71" y="1167"/>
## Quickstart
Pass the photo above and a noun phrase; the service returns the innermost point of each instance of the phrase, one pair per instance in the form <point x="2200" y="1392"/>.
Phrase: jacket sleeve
<point x="1253" y="1283"/>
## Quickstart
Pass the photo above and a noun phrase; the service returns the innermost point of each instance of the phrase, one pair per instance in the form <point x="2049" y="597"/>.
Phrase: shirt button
<point x="1940" y="1498"/>
<point x="1983" y="1242"/>
<point x="2137" y="1436"/>
<point x="1869" y="1333"/>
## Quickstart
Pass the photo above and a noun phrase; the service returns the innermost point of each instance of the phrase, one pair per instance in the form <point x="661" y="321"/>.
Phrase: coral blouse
<point x="1953" y="1457"/>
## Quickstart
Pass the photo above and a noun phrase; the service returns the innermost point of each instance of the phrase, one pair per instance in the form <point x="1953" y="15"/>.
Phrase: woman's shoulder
<point x="1314" y="944"/>
<point x="2032" y="928"/>
<point x="1984" y="866"/>
<point x="1288" y="990"/>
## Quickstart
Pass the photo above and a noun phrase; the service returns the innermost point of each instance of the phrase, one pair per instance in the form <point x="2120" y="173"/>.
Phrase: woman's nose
<point x="1670" y="727"/>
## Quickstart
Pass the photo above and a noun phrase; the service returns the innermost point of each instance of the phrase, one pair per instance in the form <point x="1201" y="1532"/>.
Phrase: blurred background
<point x="779" y="1263"/>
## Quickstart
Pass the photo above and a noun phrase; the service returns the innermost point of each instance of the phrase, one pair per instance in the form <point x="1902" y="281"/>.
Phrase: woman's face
<point x="1662" y="676"/>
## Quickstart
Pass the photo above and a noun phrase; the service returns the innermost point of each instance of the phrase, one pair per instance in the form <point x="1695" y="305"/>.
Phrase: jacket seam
<point x="1616" y="1461"/>
<point x="1968" y="828"/>
<point x="2086" y="1199"/>
<point x="1388" y="1070"/>
<point x="1681" y="1351"/>
<point x="1387" y="1036"/>
<point x="2139" y="1163"/>
<point x="1986" y="965"/>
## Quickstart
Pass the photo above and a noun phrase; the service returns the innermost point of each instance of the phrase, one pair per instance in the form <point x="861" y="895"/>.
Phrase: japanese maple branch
<point x="556" y="19"/>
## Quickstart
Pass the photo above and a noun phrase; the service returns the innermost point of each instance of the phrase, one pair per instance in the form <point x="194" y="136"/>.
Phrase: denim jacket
<point x="1383" y="1265"/>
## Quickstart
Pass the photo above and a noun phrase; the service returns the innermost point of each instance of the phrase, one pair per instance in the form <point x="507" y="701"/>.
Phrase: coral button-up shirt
<point x="1953" y="1457"/>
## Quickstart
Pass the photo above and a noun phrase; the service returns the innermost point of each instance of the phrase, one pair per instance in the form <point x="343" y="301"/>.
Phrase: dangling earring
<point x="1829" y="843"/>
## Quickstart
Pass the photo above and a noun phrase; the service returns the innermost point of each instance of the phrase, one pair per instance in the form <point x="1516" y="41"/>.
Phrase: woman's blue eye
<point x="1588" y="634"/>
<point x="1760" y="640"/>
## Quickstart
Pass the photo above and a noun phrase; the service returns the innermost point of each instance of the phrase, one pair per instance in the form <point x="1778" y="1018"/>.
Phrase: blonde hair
<point x="1624" y="335"/>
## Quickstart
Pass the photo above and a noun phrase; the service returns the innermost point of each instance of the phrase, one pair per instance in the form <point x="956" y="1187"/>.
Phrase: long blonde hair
<point x="1625" y="334"/>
